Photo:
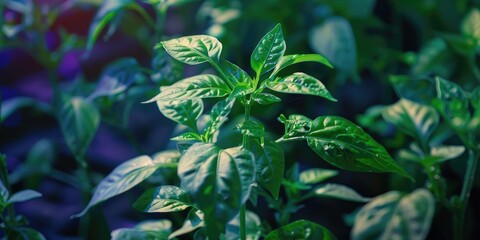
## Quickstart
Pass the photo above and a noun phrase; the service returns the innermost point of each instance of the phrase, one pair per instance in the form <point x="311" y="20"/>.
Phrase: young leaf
<point x="219" y="181"/>
<point x="452" y="102"/>
<point x="79" y="121"/>
<point x="471" y="25"/>
<point x="163" y="199"/>
<point x="184" y="112"/>
<point x="194" y="49"/>
<point x="415" y="119"/>
<point x="268" y="51"/>
<point x="23" y="196"/>
<point x="154" y="230"/>
<point x="316" y="175"/>
<point x="193" y="222"/>
<point x="345" y="145"/>
<point x="266" y="99"/>
<point x="252" y="128"/>
<point x="241" y="90"/>
<point x="188" y="136"/>
<point x="332" y="190"/>
<point x="289" y="60"/>
<point x="395" y="216"/>
<point x="270" y="167"/>
<point x="235" y="74"/>
<point x="121" y="179"/>
<point x="200" y="86"/>
<point x="301" y="83"/>
<point x="218" y="116"/>
<point x="301" y="229"/>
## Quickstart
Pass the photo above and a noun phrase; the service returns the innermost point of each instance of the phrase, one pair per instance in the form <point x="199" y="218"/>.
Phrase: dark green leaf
<point x="335" y="40"/>
<point x="121" y="179"/>
<point x="163" y="199"/>
<point x="253" y="228"/>
<point x="415" y="119"/>
<point x="4" y="194"/>
<point x="266" y="98"/>
<point x="345" y="145"/>
<point x="23" y="196"/>
<point x="431" y="56"/>
<point x="332" y="190"/>
<point x="194" y="49"/>
<point x="270" y="167"/>
<point x="188" y="136"/>
<point x="296" y="124"/>
<point x="471" y="25"/>
<point x="301" y="83"/>
<point x="316" y="175"/>
<point x="268" y="51"/>
<point x="193" y="222"/>
<point x="10" y="106"/>
<point x="241" y="90"/>
<point x="184" y="112"/>
<point x="301" y="229"/>
<point x="452" y="103"/>
<point x="289" y="60"/>
<point x="165" y="69"/>
<point x="252" y="128"/>
<point x="219" y="181"/>
<point x="200" y="86"/>
<point x="116" y="78"/>
<point x="395" y="216"/>
<point x="150" y="230"/>
<point x="414" y="88"/>
<point x="79" y="121"/>
<point x="464" y="45"/>
<point x="235" y="74"/>
<point x="218" y="116"/>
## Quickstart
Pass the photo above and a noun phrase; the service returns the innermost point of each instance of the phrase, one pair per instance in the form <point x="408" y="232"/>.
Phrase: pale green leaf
<point x="124" y="177"/>
<point x="268" y="51"/>
<point x="194" y="49"/>
<point x="150" y="230"/>
<point x="301" y="229"/>
<point x="289" y="60"/>
<point x="163" y="199"/>
<point x="471" y="25"/>
<point x="184" y="112"/>
<point x="337" y="191"/>
<point x="301" y="83"/>
<point x="193" y="222"/>
<point x="252" y="128"/>
<point x="266" y="98"/>
<point x="23" y="196"/>
<point x="395" y="216"/>
<point x="79" y="121"/>
<point x="316" y="175"/>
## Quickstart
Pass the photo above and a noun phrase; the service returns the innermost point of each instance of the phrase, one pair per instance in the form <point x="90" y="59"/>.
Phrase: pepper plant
<point x="215" y="183"/>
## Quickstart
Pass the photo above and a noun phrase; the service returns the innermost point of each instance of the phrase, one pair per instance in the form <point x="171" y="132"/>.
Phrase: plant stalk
<point x="246" y="145"/>
<point x="10" y="218"/>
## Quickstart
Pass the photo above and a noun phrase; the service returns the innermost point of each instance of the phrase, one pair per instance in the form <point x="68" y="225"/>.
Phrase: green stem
<point x="435" y="179"/>
<point x="459" y="216"/>
<point x="246" y="145"/>
<point x="4" y="179"/>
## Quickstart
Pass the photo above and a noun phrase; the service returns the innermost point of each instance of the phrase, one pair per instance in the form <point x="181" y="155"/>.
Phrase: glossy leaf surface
<point x="193" y="222"/>
<point x="184" y="112"/>
<point x="289" y="60"/>
<point x="268" y="51"/>
<point x="218" y="116"/>
<point x="235" y="74"/>
<point x="79" y="121"/>
<point x="452" y="102"/>
<point x="301" y="83"/>
<point x="301" y="229"/>
<point x="194" y="49"/>
<point x="121" y="179"/>
<point x="200" y="86"/>
<point x="266" y="99"/>
<point x="252" y="128"/>
<point x="395" y="216"/>
<point x="151" y="230"/>
<point x="338" y="191"/>
<point x="163" y="199"/>
<point x="270" y="167"/>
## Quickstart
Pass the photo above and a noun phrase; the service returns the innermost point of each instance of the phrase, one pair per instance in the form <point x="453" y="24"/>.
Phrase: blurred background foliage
<point x="99" y="59"/>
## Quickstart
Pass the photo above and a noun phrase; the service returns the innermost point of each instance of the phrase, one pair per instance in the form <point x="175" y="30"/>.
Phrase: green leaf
<point x="301" y="229"/>
<point x="188" y="136"/>
<point x="440" y="154"/>
<point x="345" y="145"/>
<point x="109" y="11"/>
<point x="200" y="86"/>
<point x="252" y="128"/>
<point x="253" y="227"/>
<point x="452" y="102"/>
<point x="218" y="116"/>
<point x="193" y="222"/>
<point x="332" y="190"/>
<point x="23" y="196"/>
<point x="395" y="216"/>
<point x="166" y="158"/>
<point x="235" y="74"/>
<point x="463" y="45"/>
<point x="289" y="60"/>
<point x="116" y="78"/>
<point x="163" y="199"/>
<point x="296" y="124"/>
<point x="414" y="88"/>
<point x="241" y="90"/>
<point x="471" y="25"/>
<point x="270" y="167"/>
<point x="268" y="51"/>
<point x="79" y="121"/>
<point x="121" y="179"/>
<point x="301" y="83"/>
<point x="431" y="57"/>
<point x="150" y="230"/>
<point x="4" y="194"/>
<point x="194" y="49"/>
<point x="10" y="106"/>
<point x="266" y="98"/>
<point x="219" y="181"/>
<point x="335" y="40"/>
<point x="184" y="112"/>
<point x="416" y="120"/>
<point x="316" y="175"/>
